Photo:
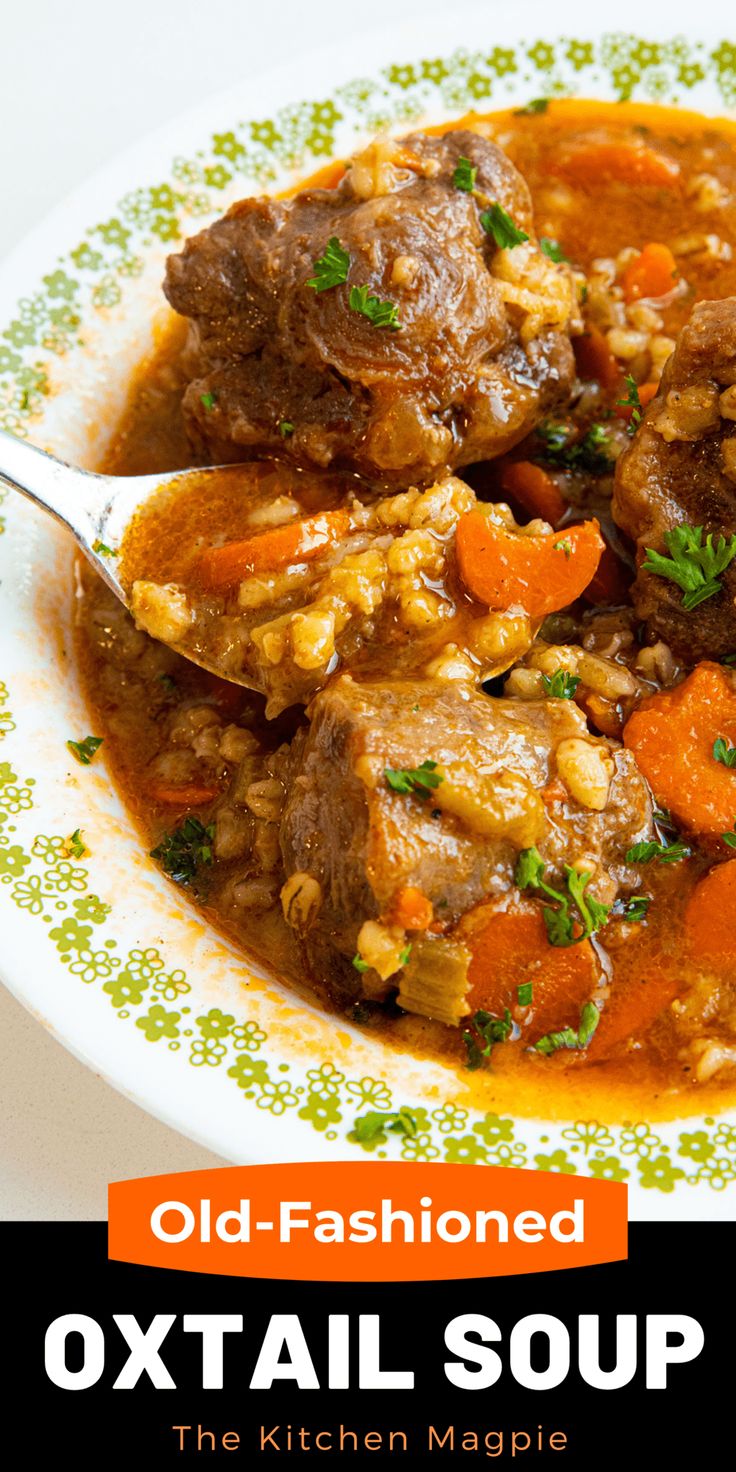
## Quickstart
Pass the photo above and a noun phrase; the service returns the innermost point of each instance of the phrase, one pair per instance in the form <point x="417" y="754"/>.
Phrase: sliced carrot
<point x="710" y="918"/>
<point x="186" y="795"/>
<point x="635" y="1002"/>
<point x="611" y="580"/>
<point x="534" y="489"/>
<point x="672" y="736"/>
<point x="621" y="163"/>
<point x="508" y="950"/>
<point x="502" y="568"/>
<point x="652" y="273"/>
<point x="411" y="909"/>
<point x="594" y="359"/>
<point x="646" y="392"/>
<point x="298" y="541"/>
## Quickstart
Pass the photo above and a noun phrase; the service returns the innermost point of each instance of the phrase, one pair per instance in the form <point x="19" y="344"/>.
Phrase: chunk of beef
<point x="480" y="352"/>
<point x="681" y="470"/>
<point x="500" y="762"/>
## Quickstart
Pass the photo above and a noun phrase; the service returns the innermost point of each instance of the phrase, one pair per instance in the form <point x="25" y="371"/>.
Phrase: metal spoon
<point x="96" y="509"/>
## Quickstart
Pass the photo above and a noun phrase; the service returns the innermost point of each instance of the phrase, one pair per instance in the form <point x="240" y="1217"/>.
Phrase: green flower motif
<point x="492" y="1129"/>
<point x="542" y="55"/>
<point x="7" y="775"/>
<point x="589" y="1134"/>
<point x="125" y="991"/>
<point x="65" y="317"/>
<point x="130" y="266"/>
<point x="13" y="861"/>
<point x="145" y="963"/>
<point x="187" y="171"/>
<point x="58" y="284"/>
<point x="725" y="57"/>
<point x="502" y="61"/>
<point x="557" y="1162"/>
<point x="91" y="908"/>
<point x="638" y="1139"/>
<point x="325" y="1080"/>
<point x="325" y="114"/>
<point x="419" y="1147"/>
<point x="646" y="53"/>
<point x="659" y="1174"/>
<point x="87" y="259"/>
<point x="434" y="71"/>
<point x="696" y="1146"/>
<point x="464" y="1150"/>
<point x="277" y="1098"/>
<point x="158" y="1023"/>
<point x="217" y="176"/>
<point x="609" y="1168"/>
<point x="372" y="1091"/>
<point x="248" y="1072"/>
<point x="66" y="876"/>
<point x="717" y="1173"/>
<point x="580" y="54"/>
<point x="248" y="1035"/>
<point x="690" y="73"/>
<point x="625" y="79"/>
<point x="162" y="198"/>
<point x="479" y="86"/>
<point x="20" y="334"/>
<point x="512" y="1156"/>
<point x="226" y="145"/>
<point x="108" y="293"/>
<point x="71" y="936"/>
<point x="207" y="1051"/>
<point x="319" y="143"/>
<point x="402" y="76"/>
<point x="89" y="965"/>
<point x="725" y="1136"/>
<point x="17" y="799"/>
<point x="171" y="984"/>
<point x="657" y="85"/>
<point x="321" y="1110"/>
<point x="114" y="232"/>
<point x="165" y="227"/>
<point x="27" y="894"/>
<point x="48" y="850"/>
<point x="215" y="1024"/>
<point x="450" y="1118"/>
<point x="9" y="362"/>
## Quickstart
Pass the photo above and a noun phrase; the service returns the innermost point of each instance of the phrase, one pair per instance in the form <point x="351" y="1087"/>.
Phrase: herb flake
<point x="84" y="750"/>
<point x="565" y="927"/>
<point x="667" y="853"/>
<point x="102" y="549"/>
<point x="724" y="753"/>
<point x="498" y="224"/>
<point x="560" y="685"/>
<point x="182" y="853"/>
<point x="331" y="269"/>
<point x="379" y="314"/>
<point x="693" y="564"/>
<point x="374" y="1124"/>
<point x="465" y="175"/>
<point x="632" y="402"/>
<point x="419" y="781"/>
<point x="552" y="249"/>
<point x="484" y="1032"/>
<point x="568" y="1037"/>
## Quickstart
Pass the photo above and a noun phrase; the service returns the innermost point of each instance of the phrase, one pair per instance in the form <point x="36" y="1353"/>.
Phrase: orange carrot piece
<point x="710" y="918"/>
<point x="220" y="568"/>
<point x="542" y="574"/>
<point x="411" y="909"/>
<point x="186" y="795"/>
<point x="646" y="391"/>
<point x="672" y="735"/>
<point x="634" y="1003"/>
<point x="534" y="489"/>
<point x="508" y="949"/>
<point x="621" y="163"/>
<point x="610" y="582"/>
<point x="652" y="273"/>
<point x="594" y="359"/>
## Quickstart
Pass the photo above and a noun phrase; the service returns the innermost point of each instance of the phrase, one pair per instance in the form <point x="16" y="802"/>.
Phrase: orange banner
<point x="366" y="1222"/>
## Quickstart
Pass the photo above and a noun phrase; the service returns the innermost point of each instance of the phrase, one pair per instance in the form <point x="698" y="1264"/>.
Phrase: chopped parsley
<point x="533" y="109"/>
<point x="74" y="846"/>
<point x="568" y="1037"/>
<point x="724" y="753"/>
<point x="728" y="659"/>
<point x="497" y="223"/>
<point x="636" y="908"/>
<point x="525" y="993"/>
<point x="379" y="314"/>
<point x="419" y="781"/>
<point x="209" y="400"/>
<point x="359" y="964"/>
<point x="730" y="837"/>
<point x="84" y="750"/>
<point x="102" y="549"/>
<point x="667" y="853"/>
<point x="286" y="428"/>
<point x="563" y="546"/>
<point x="465" y="175"/>
<point x="693" y="564"/>
<point x="565" y="926"/>
<point x="182" y="853"/>
<point x="560" y="685"/>
<point x="590" y="452"/>
<point x="484" y="1032"/>
<point x="370" y="1126"/>
<point x="332" y="267"/>
<point x="404" y="955"/>
<point x="632" y="402"/>
<point x="551" y="248"/>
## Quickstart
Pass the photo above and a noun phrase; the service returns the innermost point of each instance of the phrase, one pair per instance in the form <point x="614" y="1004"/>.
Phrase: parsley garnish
<point x="74" y="846"/>
<point x="590" y="452"/>
<point x="667" y="853"/>
<point x="730" y="837"/>
<point x="568" y="1037"/>
<point x="419" y="780"/>
<point x="286" y="428"/>
<point x="724" y="753"/>
<point x="497" y="223"/>
<point x="359" y="964"/>
<point x="632" y="402"/>
<point x="635" y="909"/>
<point x="484" y="1032"/>
<point x="186" y="850"/>
<point x="524" y="993"/>
<point x="209" y="400"/>
<point x="563" y="547"/>
<point x="85" y="750"/>
<point x="332" y="268"/>
<point x="560" y="685"/>
<point x="465" y="175"/>
<point x="399" y="1121"/>
<point x="561" y="922"/>
<point x="404" y="955"/>
<point x="533" y="108"/>
<point x="551" y="248"/>
<point x="102" y="549"/>
<point x="693" y="564"/>
<point x="379" y="314"/>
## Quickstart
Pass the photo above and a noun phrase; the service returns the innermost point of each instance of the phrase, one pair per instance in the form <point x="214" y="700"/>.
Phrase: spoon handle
<point x="74" y="497"/>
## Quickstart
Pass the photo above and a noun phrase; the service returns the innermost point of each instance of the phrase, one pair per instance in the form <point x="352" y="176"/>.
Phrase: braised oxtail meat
<point x="680" y="473"/>
<point x="402" y="322"/>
